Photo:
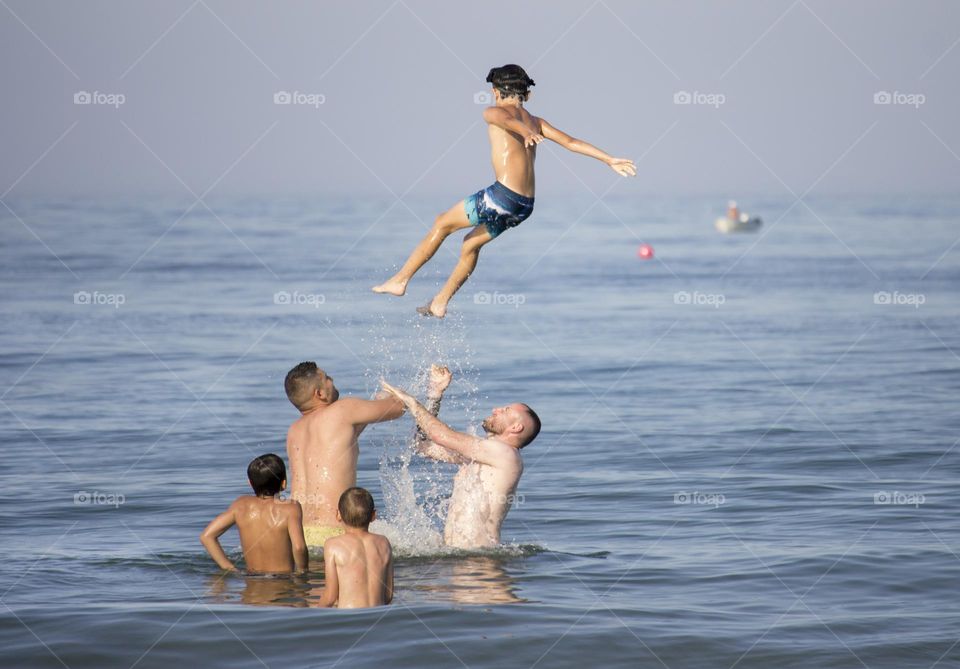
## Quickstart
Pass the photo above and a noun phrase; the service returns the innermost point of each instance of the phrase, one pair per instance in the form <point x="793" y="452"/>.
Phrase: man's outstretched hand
<point x="624" y="167"/>
<point x="440" y="377"/>
<point x="400" y="394"/>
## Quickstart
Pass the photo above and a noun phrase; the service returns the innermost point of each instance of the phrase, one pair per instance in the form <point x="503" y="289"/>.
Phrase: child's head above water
<point x="356" y="508"/>
<point x="267" y="474"/>
<point x="511" y="81"/>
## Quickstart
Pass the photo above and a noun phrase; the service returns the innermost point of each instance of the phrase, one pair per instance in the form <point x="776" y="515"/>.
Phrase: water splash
<point x="416" y="490"/>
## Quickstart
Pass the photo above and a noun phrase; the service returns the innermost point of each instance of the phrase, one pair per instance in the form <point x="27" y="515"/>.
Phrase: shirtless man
<point x="358" y="566"/>
<point x="490" y="467"/>
<point x="514" y="135"/>
<point x="322" y="445"/>
<point x="271" y="530"/>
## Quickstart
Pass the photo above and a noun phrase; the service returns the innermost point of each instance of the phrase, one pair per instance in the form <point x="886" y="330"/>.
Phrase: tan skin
<point x="322" y="446"/>
<point x="271" y="535"/>
<point x="358" y="569"/>
<point x="490" y="468"/>
<point x="514" y="136"/>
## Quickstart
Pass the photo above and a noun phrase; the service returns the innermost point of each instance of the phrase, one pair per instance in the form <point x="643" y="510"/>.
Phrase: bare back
<point x="512" y="161"/>
<point x="322" y="450"/>
<point x="264" y="529"/>
<point x="360" y="564"/>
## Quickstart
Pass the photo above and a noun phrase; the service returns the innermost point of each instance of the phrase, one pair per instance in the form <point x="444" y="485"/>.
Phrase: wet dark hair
<point x="300" y="382"/>
<point x="535" y="430"/>
<point x="356" y="507"/>
<point x="267" y="474"/>
<point x="511" y="81"/>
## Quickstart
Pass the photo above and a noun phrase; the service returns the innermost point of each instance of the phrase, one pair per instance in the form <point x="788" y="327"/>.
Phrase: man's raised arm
<point x="361" y="412"/>
<point x="461" y="443"/>
<point x="439" y="381"/>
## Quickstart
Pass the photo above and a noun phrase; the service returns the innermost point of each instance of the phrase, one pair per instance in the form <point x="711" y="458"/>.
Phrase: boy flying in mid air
<point x="358" y="564"/>
<point x="271" y="529"/>
<point x="514" y="135"/>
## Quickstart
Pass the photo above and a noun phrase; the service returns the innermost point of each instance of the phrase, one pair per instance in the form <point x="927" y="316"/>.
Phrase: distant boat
<point x="745" y="223"/>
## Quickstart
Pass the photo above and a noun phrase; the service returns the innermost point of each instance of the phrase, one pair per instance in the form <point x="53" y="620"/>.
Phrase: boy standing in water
<point x="358" y="564"/>
<point x="514" y="135"/>
<point x="271" y="529"/>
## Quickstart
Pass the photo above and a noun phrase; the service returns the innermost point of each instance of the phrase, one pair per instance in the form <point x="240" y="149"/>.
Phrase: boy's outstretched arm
<point x="210" y="538"/>
<point x="622" y="166"/>
<point x="502" y="118"/>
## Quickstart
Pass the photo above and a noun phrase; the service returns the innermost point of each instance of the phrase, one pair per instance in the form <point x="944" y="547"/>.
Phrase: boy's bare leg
<point x="469" y="254"/>
<point x="445" y="224"/>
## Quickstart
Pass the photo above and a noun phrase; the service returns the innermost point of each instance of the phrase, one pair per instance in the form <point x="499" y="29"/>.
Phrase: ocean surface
<point x="749" y="454"/>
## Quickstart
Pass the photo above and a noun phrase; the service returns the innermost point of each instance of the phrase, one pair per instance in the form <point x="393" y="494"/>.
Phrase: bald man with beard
<point x="490" y="466"/>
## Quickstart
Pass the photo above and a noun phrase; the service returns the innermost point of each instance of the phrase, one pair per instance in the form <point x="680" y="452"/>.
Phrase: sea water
<point x="749" y="452"/>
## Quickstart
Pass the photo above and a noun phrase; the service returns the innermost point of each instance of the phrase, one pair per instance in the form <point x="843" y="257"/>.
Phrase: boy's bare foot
<point x="392" y="287"/>
<point x="432" y="309"/>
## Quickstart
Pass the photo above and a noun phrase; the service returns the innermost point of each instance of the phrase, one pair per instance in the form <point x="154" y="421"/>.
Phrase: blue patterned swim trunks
<point x="498" y="208"/>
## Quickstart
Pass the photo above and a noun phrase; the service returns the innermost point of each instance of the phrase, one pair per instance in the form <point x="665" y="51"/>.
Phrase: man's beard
<point x="489" y="427"/>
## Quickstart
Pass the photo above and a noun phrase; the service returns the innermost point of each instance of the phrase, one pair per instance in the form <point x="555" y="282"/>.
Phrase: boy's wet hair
<point x="535" y="428"/>
<point x="267" y="474"/>
<point x="300" y="382"/>
<point x="511" y="81"/>
<point x="356" y="507"/>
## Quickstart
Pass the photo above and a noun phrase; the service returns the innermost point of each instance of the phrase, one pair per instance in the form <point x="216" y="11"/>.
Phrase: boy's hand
<point x="623" y="166"/>
<point x="440" y="377"/>
<point x="532" y="139"/>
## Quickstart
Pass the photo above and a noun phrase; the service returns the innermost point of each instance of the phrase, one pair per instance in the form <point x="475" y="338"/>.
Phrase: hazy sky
<point x="397" y="80"/>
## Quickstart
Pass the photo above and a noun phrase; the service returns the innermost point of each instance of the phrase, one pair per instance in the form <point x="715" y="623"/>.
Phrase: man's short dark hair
<point x="535" y="428"/>
<point x="356" y="507"/>
<point x="300" y="382"/>
<point x="267" y="474"/>
<point x="511" y="81"/>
